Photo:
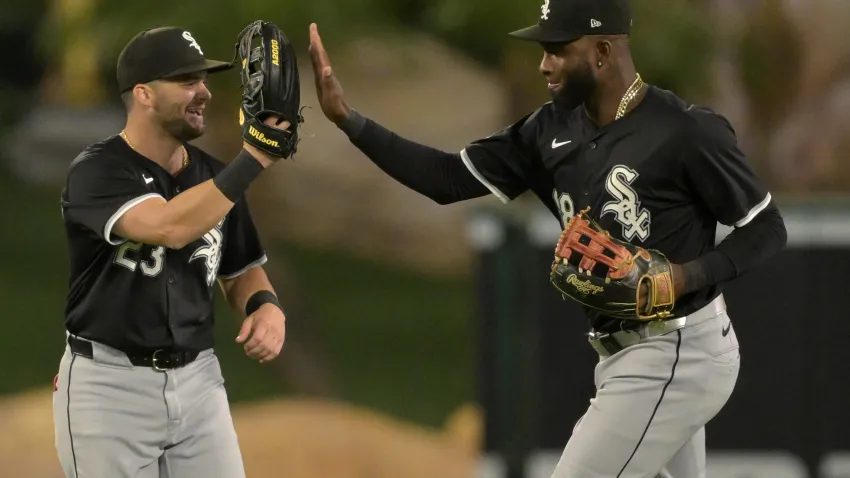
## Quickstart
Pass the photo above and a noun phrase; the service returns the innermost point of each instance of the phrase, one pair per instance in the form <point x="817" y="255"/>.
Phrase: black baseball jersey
<point x="661" y="177"/>
<point x="134" y="296"/>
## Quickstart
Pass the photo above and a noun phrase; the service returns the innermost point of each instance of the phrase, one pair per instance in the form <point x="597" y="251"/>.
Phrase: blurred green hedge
<point x="671" y="43"/>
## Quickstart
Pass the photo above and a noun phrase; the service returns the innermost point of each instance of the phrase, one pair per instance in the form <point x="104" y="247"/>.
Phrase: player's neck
<point x="154" y="143"/>
<point x="602" y="108"/>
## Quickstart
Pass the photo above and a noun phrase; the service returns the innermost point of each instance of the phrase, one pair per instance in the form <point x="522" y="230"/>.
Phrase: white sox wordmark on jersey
<point x="626" y="207"/>
<point x="211" y="252"/>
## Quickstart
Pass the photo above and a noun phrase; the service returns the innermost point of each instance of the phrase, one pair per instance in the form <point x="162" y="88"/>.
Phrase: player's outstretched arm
<point x="193" y="213"/>
<point x="439" y="175"/>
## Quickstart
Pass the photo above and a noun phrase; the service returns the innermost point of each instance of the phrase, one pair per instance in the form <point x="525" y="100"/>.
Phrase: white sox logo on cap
<point x="545" y="10"/>
<point x="192" y="42"/>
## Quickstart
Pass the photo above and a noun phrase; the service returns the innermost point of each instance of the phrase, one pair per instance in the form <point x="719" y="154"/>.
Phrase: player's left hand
<point x="678" y="285"/>
<point x="267" y="330"/>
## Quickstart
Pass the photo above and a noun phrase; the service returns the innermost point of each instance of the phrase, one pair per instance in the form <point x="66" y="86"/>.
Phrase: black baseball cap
<point x="564" y="21"/>
<point x="162" y="53"/>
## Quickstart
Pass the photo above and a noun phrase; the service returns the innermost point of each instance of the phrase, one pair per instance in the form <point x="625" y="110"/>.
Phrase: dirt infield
<point x="290" y="438"/>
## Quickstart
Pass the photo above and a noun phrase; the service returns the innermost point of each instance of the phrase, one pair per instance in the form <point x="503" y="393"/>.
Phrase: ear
<point x="144" y="95"/>
<point x="602" y="53"/>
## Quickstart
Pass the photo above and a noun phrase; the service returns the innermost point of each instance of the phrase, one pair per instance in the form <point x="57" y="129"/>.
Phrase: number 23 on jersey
<point x="128" y="255"/>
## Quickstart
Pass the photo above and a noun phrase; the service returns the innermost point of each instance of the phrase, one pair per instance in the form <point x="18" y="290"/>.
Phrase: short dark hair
<point x="127" y="99"/>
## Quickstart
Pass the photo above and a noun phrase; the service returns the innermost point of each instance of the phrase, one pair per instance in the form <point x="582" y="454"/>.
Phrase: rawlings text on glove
<point x="606" y="274"/>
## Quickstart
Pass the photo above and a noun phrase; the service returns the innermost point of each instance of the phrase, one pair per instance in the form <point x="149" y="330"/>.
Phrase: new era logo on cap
<point x="594" y="23"/>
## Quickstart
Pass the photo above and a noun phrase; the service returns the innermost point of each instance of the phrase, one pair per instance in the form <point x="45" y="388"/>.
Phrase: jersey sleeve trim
<point x="471" y="167"/>
<point x="257" y="263"/>
<point x="107" y="229"/>
<point x="754" y="212"/>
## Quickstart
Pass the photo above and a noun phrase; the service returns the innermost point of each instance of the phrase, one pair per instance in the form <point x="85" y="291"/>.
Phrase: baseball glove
<point x="270" y="87"/>
<point x="606" y="274"/>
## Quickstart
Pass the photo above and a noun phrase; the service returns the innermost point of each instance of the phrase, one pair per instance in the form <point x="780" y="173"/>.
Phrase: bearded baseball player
<point x="639" y="180"/>
<point x="153" y="224"/>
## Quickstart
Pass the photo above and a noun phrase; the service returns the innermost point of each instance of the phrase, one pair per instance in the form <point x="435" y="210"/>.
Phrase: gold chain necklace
<point x="130" y="144"/>
<point x="629" y="96"/>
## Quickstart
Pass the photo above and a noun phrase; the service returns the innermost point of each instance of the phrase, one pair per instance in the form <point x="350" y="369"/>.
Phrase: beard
<point x="579" y="86"/>
<point x="174" y="122"/>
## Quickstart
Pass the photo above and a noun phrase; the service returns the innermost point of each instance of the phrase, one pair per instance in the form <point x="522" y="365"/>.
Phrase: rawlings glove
<point x="606" y="274"/>
<point x="270" y="87"/>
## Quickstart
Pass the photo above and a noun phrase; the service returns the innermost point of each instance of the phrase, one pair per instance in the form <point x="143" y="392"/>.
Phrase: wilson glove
<point x="270" y="87"/>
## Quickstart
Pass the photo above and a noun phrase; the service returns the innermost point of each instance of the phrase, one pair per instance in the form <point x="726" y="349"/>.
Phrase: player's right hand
<point x="328" y="88"/>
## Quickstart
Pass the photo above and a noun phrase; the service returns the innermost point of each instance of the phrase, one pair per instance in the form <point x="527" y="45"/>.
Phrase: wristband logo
<point x="261" y="137"/>
<point x="275" y="53"/>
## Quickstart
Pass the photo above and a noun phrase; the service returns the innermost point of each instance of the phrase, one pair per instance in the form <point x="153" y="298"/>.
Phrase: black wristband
<point x="354" y="124"/>
<point x="258" y="299"/>
<point x="711" y="268"/>
<point x="234" y="180"/>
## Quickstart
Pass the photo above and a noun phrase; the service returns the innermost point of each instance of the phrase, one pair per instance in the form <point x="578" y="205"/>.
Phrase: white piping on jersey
<point x="754" y="212"/>
<point x="107" y="229"/>
<point x="245" y="269"/>
<point x="471" y="167"/>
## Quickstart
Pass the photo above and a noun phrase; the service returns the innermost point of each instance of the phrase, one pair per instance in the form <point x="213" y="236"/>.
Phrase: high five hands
<point x="328" y="88"/>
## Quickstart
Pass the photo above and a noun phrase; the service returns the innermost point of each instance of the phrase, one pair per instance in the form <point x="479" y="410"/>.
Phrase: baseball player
<point x="654" y="171"/>
<point x="153" y="224"/>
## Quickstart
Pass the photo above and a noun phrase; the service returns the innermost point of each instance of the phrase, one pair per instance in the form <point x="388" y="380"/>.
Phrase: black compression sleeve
<point x="436" y="174"/>
<point x="234" y="180"/>
<point x="712" y="268"/>
<point x="743" y="249"/>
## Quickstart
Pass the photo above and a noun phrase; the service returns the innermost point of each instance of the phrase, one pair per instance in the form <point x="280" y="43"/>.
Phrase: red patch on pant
<point x="56" y="383"/>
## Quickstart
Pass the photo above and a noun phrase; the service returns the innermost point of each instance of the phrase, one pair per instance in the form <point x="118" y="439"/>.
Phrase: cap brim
<point x="540" y="34"/>
<point x="209" y="66"/>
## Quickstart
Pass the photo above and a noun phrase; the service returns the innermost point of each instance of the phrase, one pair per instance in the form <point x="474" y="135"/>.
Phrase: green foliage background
<point x="671" y="43"/>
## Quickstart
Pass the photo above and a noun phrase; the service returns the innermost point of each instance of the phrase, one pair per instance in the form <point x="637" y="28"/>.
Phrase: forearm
<point x="193" y="213"/>
<point x="439" y="175"/>
<point x="200" y="208"/>
<point x="239" y="291"/>
<point x="741" y="251"/>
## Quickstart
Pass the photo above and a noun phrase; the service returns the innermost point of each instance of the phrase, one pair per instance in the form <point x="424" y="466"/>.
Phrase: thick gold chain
<point x="130" y="144"/>
<point x="629" y="96"/>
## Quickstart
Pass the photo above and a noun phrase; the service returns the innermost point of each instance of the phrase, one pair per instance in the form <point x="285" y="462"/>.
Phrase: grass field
<point x="395" y="340"/>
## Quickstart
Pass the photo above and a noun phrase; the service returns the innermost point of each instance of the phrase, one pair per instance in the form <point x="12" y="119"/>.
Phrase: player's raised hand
<point x="267" y="330"/>
<point x="328" y="88"/>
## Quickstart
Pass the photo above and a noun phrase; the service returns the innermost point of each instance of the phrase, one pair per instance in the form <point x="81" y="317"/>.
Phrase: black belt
<point x="160" y="359"/>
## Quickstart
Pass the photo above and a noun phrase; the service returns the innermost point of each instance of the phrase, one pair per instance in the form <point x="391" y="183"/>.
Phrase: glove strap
<point x="276" y="142"/>
<point x="660" y="300"/>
